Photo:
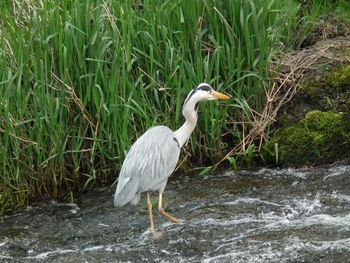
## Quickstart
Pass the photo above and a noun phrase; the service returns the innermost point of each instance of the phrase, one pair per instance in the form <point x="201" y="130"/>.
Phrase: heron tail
<point x="125" y="193"/>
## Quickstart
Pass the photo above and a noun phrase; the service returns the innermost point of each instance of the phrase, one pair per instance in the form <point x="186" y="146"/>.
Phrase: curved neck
<point x="183" y="133"/>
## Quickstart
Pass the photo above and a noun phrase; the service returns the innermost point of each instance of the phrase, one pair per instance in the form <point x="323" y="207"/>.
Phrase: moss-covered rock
<point x="340" y="78"/>
<point x="326" y="85"/>
<point x="331" y="91"/>
<point x="321" y="137"/>
<point x="314" y="127"/>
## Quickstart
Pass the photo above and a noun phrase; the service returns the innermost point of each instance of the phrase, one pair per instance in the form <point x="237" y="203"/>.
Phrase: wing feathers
<point x="147" y="166"/>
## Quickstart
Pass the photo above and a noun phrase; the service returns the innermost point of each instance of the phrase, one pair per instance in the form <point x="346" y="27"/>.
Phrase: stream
<point x="268" y="215"/>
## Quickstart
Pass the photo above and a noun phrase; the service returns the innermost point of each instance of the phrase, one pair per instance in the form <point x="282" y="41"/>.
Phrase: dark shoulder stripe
<point x="190" y="95"/>
<point x="178" y="144"/>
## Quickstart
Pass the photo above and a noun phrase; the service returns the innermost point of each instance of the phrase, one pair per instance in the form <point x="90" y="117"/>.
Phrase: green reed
<point x="81" y="80"/>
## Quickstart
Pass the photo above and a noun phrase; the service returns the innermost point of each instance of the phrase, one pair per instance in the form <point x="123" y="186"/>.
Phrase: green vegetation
<point x="323" y="134"/>
<point x="316" y="19"/>
<point x="319" y="137"/>
<point x="81" y="80"/>
<point x="339" y="79"/>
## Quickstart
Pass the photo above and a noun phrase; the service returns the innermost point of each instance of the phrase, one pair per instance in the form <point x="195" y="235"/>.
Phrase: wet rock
<point x="283" y="215"/>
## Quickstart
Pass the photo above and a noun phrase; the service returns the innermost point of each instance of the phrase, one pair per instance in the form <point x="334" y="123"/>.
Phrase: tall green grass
<point x="81" y="80"/>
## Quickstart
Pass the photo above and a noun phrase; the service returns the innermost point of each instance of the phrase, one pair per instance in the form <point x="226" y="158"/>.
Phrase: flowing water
<point x="287" y="215"/>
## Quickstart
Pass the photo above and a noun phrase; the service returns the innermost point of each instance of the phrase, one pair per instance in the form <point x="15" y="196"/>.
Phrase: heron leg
<point x="149" y="206"/>
<point x="162" y="211"/>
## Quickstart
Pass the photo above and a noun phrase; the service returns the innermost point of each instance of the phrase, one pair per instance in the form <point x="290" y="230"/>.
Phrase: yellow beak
<point x="220" y="96"/>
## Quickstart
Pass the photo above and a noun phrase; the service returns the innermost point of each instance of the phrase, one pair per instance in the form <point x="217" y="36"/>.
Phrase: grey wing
<point x="147" y="166"/>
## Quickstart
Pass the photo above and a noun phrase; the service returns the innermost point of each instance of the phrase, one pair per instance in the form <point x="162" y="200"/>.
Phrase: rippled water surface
<point x="287" y="215"/>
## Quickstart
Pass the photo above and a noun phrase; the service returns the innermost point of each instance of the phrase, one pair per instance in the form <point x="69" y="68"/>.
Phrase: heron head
<point x="205" y="92"/>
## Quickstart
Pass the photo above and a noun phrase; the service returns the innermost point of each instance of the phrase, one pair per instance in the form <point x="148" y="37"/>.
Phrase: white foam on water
<point x="232" y="256"/>
<point x="72" y="205"/>
<point x="304" y="212"/>
<point x="305" y="206"/>
<point x="227" y="222"/>
<point x="329" y="220"/>
<point x="103" y="225"/>
<point x="249" y="201"/>
<point x="296" y="173"/>
<point x="47" y="254"/>
<point x="94" y="248"/>
<point x="314" y="220"/>
<point x="256" y="235"/>
<point x="296" y="247"/>
<point x="336" y="171"/>
<point x="299" y="173"/>
<point x="289" y="210"/>
<point x="74" y="211"/>
<point x="342" y="197"/>
<point x="253" y="255"/>
<point x="109" y="248"/>
<point x="277" y="251"/>
<point x="289" y="214"/>
<point x="298" y="213"/>
<point x="5" y="257"/>
<point x="302" y="173"/>
<point x="340" y="244"/>
<point x="3" y="243"/>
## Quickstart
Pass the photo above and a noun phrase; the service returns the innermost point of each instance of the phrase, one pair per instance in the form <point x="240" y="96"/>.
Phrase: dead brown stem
<point x="287" y="78"/>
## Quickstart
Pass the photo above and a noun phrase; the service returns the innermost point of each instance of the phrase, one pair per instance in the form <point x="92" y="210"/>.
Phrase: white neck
<point x="183" y="133"/>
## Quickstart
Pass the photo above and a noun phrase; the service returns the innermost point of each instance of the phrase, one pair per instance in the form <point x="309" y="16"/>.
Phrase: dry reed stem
<point x="77" y="102"/>
<point x="14" y="124"/>
<point x="295" y="67"/>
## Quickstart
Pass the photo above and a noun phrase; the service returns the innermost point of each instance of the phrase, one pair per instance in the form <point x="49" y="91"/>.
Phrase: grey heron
<point x="153" y="157"/>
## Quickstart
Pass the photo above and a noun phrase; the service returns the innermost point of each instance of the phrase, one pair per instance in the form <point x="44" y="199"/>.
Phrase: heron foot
<point x="168" y="216"/>
<point x="157" y="235"/>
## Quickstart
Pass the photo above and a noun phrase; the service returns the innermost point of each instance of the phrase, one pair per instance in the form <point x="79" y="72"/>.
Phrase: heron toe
<point x="168" y="216"/>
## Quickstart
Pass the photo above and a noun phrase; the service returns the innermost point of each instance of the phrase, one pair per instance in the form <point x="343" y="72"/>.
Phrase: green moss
<point x="339" y="78"/>
<point x="327" y="92"/>
<point x="319" y="137"/>
<point x="311" y="89"/>
<point x="323" y="121"/>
